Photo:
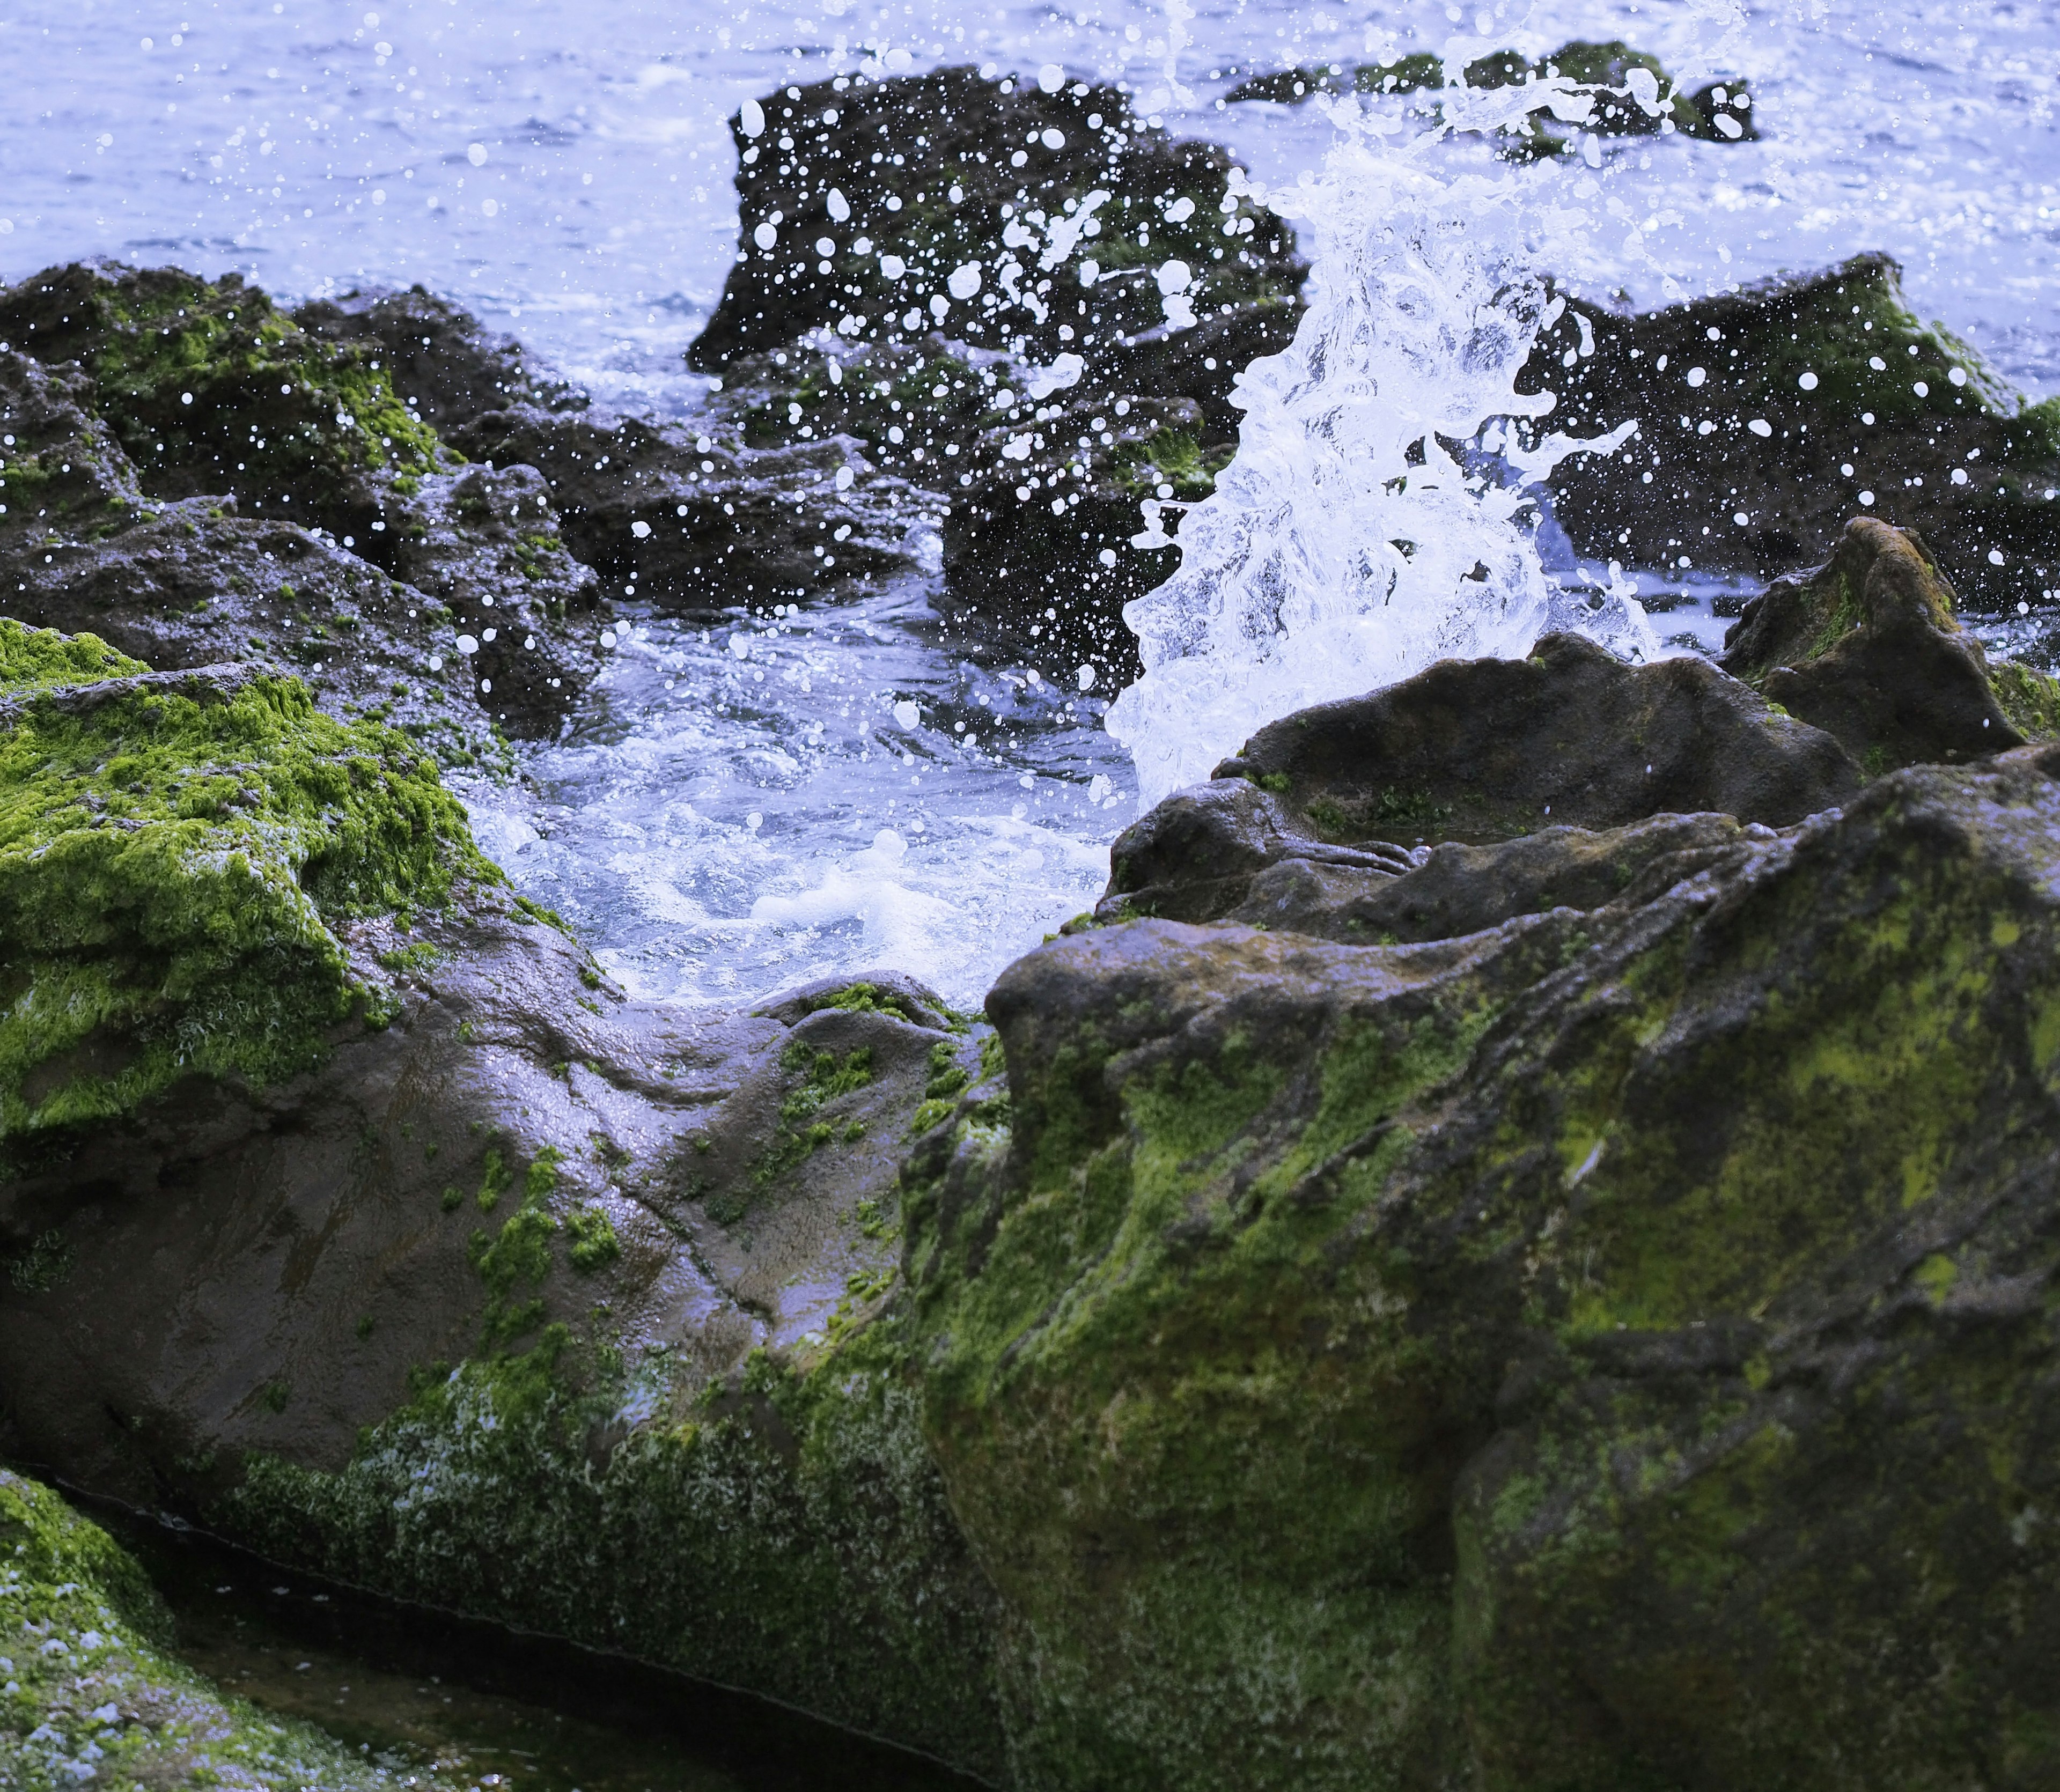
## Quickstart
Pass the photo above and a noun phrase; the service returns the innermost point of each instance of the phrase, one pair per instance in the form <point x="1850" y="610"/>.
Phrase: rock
<point x="1041" y="552"/>
<point x="1195" y="855"/>
<point x="104" y="1699"/>
<point x="484" y="548"/>
<point x="1867" y="648"/>
<point x="1447" y="892"/>
<point x="209" y="389"/>
<point x="1750" y="406"/>
<point x="1487" y="749"/>
<point x="449" y="368"/>
<point x="1719" y="112"/>
<point x="695" y="526"/>
<point x="1610" y="1349"/>
<point x="949" y="199"/>
<point x="349" y="1210"/>
<point x="62" y="471"/>
<point x="948" y="397"/>
<point x="168" y="579"/>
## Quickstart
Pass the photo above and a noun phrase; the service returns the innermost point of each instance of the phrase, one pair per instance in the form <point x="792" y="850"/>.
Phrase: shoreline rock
<point x="1751" y="405"/>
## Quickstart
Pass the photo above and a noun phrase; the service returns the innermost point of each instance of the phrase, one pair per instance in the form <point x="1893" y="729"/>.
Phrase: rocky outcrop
<point x="1718" y="112"/>
<point x="1766" y="415"/>
<point x="1868" y="648"/>
<point x="448" y="368"/>
<point x="1016" y="217"/>
<point x="699" y="526"/>
<point x="1611" y="1348"/>
<point x="348" y="1208"/>
<point x="977" y="228"/>
<point x="411" y="588"/>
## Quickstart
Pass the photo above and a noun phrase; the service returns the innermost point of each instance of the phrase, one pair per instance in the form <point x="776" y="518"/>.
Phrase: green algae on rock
<point x="1868" y="648"/>
<point x="211" y="389"/>
<point x="94" y="1694"/>
<point x="174" y="851"/>
<point x="1612" y="1349"/>
<point x="782" y="1529"/>
<point x="1767" y="415"/>
<point x="1649" y="105"/>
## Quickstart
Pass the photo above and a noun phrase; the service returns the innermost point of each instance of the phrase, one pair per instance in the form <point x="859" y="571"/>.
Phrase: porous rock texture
<point x="1613" y="1348"/>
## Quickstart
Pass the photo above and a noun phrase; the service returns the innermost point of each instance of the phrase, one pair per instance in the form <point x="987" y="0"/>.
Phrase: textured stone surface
<point x="1613" y="1349"/>
<point x="1943" y="446"/>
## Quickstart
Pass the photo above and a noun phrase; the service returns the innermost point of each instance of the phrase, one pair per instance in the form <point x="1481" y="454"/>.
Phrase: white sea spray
<point x="1380" y="512"/>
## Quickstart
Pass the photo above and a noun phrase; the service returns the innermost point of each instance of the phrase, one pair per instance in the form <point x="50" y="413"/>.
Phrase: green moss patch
<point x="91" y="1693"/>
<point x="783" y="1530"/>
<point x="209" y="387"/>
<point x="172" y="861"/>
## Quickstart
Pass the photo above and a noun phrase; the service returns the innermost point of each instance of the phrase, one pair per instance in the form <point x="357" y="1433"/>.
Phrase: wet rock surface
<point x="1089" y="363"/>
<point x="1750" y="407"/>
<point x="319" y="1145"/>
<point x="1650" y="104"/>
<point x="1868" y="648"/>
<point x="1583" y="1352"/>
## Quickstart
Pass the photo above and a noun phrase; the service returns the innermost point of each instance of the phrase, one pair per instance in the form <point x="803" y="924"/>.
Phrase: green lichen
<point x="783" y="1530"/>
<point x="92" y="1693"/>
<point x="171" y="863"/>
<point x="209" y="388"/>
<point x="594" y="1245"/>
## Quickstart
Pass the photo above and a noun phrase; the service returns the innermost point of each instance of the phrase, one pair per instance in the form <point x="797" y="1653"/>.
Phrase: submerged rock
<point x="1649" y="105"/>
<point x="1766" y="415"/>
<point x="1608" y="1349"/>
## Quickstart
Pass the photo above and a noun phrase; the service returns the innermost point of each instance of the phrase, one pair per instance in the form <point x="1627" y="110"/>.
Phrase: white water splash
<point x="1352" y="541"/>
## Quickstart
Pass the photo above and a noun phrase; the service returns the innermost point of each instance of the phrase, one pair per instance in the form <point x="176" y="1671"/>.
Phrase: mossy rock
<point x="782" y="1528"/>
<point x="1869" y="648"/>
<point x="1752" y="405"/>
<point x="176" y="850"/>
<point x="209" y="388"/>
<point x="93" y="1694"/>
<point x="1607" y="1350"/>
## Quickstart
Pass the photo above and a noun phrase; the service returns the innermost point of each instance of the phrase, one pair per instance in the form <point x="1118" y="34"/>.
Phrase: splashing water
<point x="1379" y="514"/>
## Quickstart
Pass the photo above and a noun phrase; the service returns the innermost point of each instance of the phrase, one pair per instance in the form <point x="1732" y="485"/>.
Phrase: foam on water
<point x="740" y="809"/>
<point x="1354" y="540"/>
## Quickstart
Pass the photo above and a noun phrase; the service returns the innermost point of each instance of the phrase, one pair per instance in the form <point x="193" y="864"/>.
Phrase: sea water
<point x="737" y="807"/>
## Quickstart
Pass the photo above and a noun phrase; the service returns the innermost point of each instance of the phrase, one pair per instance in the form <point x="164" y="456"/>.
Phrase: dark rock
<point x="209" y="389"/>
<point x="1021" y="163"/>
<point x="1746" y="465"/>
<point x="1451" y="890"/>
<point x="1195" y="856"/>
<point x="448" y="368"/>
<point x="1612" y="1349"/>
<point x="693" y="525"/>
<point x="1039" y="551"/>
<point x="1617" y="111"/>
<point x="62" y="471"/>
<point x="1867" y="648"/>
<point x="1482" y="750"/>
